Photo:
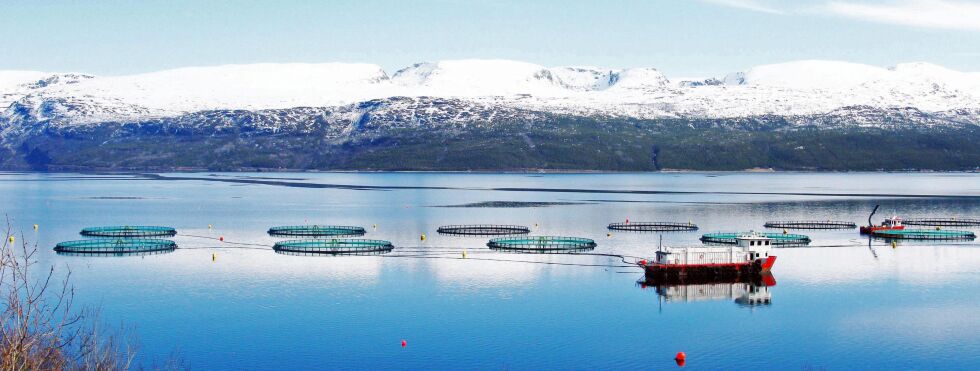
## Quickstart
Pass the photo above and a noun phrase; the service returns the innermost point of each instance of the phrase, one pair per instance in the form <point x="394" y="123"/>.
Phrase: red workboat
<point x="889" y="224"/>
<point x="893" y="223"/>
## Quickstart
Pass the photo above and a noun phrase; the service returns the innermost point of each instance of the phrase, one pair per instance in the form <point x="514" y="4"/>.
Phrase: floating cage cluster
<point x="785" y="239"/>
<point x="542" y="244"/>
<point x="321" y="241"/>
<point x="334" y="246"/>
<point x="483" y="230"/>
<point x="316" y="231"/>
<point x="653" y="226"/>
<point x="924" y="234"/>
<point x="115" y="246"/>
<point x="120" y="240"/>
<point x="129" y="231"/>
<point x="811" y="224"/>
<point x="944" y="222"/>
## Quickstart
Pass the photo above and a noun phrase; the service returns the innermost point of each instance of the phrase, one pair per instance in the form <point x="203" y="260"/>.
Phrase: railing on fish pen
<point x="129" y="231"/>
<point x="944" y="222"/>
<point x="653" y="226"/>
<point x="316" y="231"/>
<point x="542" y="244"/>
<point x="810" y="224"/>
<point x="482" y="229"/>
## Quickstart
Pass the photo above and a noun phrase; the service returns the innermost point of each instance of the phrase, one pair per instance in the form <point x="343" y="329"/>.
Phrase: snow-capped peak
<point x="793" y="88"/>
<point x="814" y="74"/>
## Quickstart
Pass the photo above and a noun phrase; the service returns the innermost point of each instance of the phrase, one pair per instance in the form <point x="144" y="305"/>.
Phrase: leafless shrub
<point x="40" y="326"/>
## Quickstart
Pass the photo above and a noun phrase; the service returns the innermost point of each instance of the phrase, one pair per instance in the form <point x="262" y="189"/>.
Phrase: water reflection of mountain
<point x="747" y="292"/>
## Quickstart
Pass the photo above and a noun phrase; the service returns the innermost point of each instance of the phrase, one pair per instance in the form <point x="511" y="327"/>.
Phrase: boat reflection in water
<point x="745" y="291"/>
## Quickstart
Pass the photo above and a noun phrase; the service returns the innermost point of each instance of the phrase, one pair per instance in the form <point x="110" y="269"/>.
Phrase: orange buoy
<point x="404" y="343"/>
<point x="681" y="359"/>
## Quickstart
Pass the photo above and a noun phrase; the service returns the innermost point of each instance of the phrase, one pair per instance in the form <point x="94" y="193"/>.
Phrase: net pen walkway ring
<point x="944" y="222"/>
<point x="730" y="238"/>
<point x="483" y="230"/>
<point x="129" y="231"/>
<point x="542" y="244"/>
<point x="810" y="224"/>
<point x="924" y="234"/>
<point x="115" y="245"/>
<point x="654" y="226"/>
<point x="354" y="246"/>
<point x="316" y="231"/>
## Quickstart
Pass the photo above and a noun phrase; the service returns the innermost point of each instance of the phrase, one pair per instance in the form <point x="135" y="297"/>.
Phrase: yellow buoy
<point x="938" y="228"/>
<point x="894" y="244"/>
<point x="464" y="254"/>
<point x="210" y="226"/>
<point x="608" y="234"/>
<point x="11" y="239"/>
<point x="375" y="226"/>
<point x="422" y="237"/>
<point x="35" y="227"/>
<point x="213" y="256"/>
<point x="785" y="232"/>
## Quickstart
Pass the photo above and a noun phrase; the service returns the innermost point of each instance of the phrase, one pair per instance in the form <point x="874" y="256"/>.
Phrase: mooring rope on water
<point x="435" y="252"/>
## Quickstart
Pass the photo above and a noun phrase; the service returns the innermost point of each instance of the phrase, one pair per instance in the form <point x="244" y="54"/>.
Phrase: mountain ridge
<point x="492" y="115"/>
<point x="792" y="88"/>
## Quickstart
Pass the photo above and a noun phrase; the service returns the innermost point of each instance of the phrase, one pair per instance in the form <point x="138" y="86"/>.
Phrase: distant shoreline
<point x="509" y="171"/>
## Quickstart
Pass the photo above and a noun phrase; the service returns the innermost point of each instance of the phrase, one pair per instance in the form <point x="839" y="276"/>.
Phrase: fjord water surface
<point x="839" y="303"/>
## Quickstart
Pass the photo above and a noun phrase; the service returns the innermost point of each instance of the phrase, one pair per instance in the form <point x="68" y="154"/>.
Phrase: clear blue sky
<point x="680" y="37"/>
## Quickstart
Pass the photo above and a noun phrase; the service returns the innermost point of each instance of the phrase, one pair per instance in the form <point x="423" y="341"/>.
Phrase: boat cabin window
<point x="767" y="243"/>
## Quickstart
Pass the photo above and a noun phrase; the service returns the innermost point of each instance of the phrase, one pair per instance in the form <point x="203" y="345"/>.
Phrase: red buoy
<point x="643" y="262"/>
<point x="681" y="359"/>
<point x="222" y="238"/>
<point x="404" y="343"/>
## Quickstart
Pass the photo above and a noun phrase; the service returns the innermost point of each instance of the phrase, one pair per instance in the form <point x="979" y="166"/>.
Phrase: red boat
<point x="889" y="224"/>
<point x="749" y="257"/>
<point x="893" y="223"/>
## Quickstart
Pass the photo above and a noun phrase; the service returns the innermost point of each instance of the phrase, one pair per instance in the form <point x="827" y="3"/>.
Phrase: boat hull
<point x="872" y="229"/>
<point x="658" y="272"/>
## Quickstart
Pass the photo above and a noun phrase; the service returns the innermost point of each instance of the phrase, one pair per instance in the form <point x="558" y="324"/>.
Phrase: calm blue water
<point x="838" y="304"/>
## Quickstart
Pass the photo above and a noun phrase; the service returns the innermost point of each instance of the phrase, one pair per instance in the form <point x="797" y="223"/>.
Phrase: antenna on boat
<point x="660" y="247"/>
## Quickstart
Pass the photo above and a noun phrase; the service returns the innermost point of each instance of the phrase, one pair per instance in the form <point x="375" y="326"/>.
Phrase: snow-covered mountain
<point x="786" y="89"/>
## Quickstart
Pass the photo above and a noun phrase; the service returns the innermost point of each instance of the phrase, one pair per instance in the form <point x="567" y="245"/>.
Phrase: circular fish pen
<point x="542" y="244"/>
<point x="333" y="247"/>
<point x="783" y="239"/>
<point x="316" y="231"/>
<point x="483" y="230"/>
<point x="115" y="246"/>
<point x="116" y="254"/>
<point x="129" y="231"/>
<point x="943" y="222"/>
<point x="653" y="227"/>
<point x="924" y="234"/>
<point x="811" y="224"/>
